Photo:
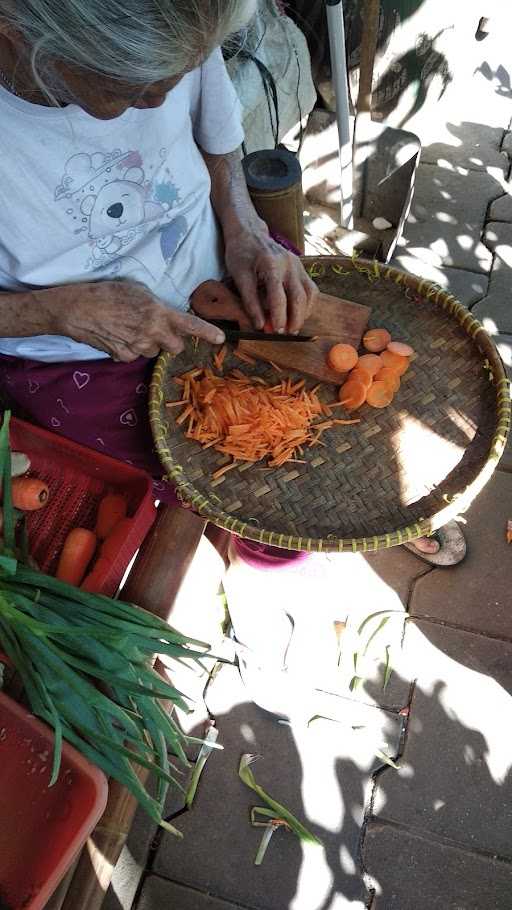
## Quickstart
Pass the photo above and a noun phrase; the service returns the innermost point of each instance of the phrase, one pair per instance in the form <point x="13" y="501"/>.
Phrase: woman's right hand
<point x="123" y="318"/>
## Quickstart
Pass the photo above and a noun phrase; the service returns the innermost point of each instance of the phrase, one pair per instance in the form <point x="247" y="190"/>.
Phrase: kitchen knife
<point x="233" y="332"/>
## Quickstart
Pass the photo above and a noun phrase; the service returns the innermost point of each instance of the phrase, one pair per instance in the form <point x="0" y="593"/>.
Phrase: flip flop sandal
<point x="452" y="547"/>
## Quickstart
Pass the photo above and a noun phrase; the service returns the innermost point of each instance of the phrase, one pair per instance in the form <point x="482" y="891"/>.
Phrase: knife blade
<point x="233" y="332"/>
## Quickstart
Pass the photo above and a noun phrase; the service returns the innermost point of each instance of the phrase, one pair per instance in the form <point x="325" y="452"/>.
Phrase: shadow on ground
<point x="356" y="815"/>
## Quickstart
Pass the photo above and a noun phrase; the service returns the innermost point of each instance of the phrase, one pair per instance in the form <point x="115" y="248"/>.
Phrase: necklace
<point x="8" y="83"/>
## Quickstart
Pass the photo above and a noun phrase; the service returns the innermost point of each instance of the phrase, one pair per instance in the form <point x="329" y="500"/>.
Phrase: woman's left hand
<point x="272" y="281"/>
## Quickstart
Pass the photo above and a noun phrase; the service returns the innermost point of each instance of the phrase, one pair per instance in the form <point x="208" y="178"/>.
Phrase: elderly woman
<point x="122" y="190"/>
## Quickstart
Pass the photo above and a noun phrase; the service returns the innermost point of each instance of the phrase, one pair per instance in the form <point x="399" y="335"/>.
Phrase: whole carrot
<point x="76" y="555"/>
<point x="29" y="493"/>
<point x="93" y="580"/>
<point x="113" y="543"/>
<point x="111" y="510"/>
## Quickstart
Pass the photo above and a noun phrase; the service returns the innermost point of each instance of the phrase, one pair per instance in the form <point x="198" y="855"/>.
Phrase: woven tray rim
<point x="459" y="503"/>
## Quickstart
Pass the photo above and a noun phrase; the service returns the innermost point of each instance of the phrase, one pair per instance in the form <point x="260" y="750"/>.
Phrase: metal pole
<point x="336" y="27"/>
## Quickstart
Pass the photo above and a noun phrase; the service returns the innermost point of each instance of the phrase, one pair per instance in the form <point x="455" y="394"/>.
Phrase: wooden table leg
<point x="164" y="559"/>
<point x="153" y="583"/>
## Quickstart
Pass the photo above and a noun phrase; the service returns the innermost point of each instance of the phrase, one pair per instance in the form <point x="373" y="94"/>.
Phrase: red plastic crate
<point x="78" y="478"/>
<point x="44" y="827"/>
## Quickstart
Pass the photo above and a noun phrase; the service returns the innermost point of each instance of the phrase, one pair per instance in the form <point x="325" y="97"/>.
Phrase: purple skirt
<point x="98" y="403"/>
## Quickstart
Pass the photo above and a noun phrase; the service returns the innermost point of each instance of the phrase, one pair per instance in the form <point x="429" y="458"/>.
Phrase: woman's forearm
<point x="230" y="197"/>
<point x="269" y="278"/>
<point x="27" y="313"/>
<point x="122" y="318"/>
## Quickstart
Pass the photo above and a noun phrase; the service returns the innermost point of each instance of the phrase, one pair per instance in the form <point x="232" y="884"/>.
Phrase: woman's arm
<point x="253" y="259"/>
<point x="122" y="318"/>
<point x="24" y="314"/>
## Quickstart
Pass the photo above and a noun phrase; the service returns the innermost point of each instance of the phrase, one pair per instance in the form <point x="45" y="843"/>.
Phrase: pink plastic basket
<point x="44" y="827"/>
<point x="78" y="478"/>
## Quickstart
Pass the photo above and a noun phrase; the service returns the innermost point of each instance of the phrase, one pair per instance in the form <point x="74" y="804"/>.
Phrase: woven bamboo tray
<point x="399" y="474"/>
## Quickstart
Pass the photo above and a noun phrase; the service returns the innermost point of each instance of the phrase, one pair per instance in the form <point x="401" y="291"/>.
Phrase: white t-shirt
<point x="83" y="199"/>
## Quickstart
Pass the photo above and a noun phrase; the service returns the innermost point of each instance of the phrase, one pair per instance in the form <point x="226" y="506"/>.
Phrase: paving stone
<point x="507" y="144"/>
<point x="414" y="873"/>
<point x="159" y="894"/>
<point x="397" y="570"/>
<point x="467" y="286"/>
<point x="455" y="779"/>
<point x="446" y="221"/>
<point x="498" y="234"/>
<point x="494" y="311"/>
<point x="320" y="773"/>
<point x="473" y="145"/>
<point x="131" y="864"/>
<point x="498" y="237"/>
<point x="501" y="209"/>
<point x="476" y="593"/>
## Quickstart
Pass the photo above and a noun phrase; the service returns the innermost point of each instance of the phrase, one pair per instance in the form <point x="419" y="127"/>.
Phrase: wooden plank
<point x="164" y="560"/>
<point x="333" y="320"/>
<point x="153" y="583"/>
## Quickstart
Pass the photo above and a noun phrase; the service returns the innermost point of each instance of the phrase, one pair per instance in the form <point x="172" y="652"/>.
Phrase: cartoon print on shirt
<point x="110" y="197"/>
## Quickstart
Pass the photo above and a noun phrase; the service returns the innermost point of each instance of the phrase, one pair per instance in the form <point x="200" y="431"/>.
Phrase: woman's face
<point x="100" y="96"/>
<point x="105" y="98"/>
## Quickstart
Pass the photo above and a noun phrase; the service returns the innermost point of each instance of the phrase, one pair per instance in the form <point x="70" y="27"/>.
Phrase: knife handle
<point x="213" y="300"/>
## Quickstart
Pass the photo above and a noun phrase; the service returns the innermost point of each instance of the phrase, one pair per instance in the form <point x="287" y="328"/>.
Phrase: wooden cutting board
<point x="333" y="320"/>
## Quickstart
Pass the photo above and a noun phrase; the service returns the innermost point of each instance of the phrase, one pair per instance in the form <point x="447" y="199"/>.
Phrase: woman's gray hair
<point x="134" y="41"/>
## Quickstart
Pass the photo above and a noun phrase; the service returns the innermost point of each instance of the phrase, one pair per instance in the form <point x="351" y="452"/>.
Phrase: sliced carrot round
<point x="376" y="340"/>
<point x="399" y="347"/>
<point x="342" y="357"/>
<point x="352" y="394"/>
<point x="361" y="375"/>
<point x="387" y="374"/>
<point x="370" y="362"/>
<point x="395" y="361"/>
<point x="380" y="395"/>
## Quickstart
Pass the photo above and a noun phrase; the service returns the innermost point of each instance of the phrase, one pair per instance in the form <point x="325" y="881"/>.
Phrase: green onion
<point x="85" y="663"/>
<point x="278" y="811"/>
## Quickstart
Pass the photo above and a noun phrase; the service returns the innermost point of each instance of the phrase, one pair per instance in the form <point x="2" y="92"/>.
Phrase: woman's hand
<point x="122" y="318"/>
<point x="271" y="281"/>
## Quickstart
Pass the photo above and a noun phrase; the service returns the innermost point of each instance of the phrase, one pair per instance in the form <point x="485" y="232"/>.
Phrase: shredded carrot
<point x="225" y="468"/>
<point x="174" y="404"/>
<point x="220" y="357"/>
<point x="246" y="419"/>
<point x="183" y="416"/>
<point x="191" y="374"/>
